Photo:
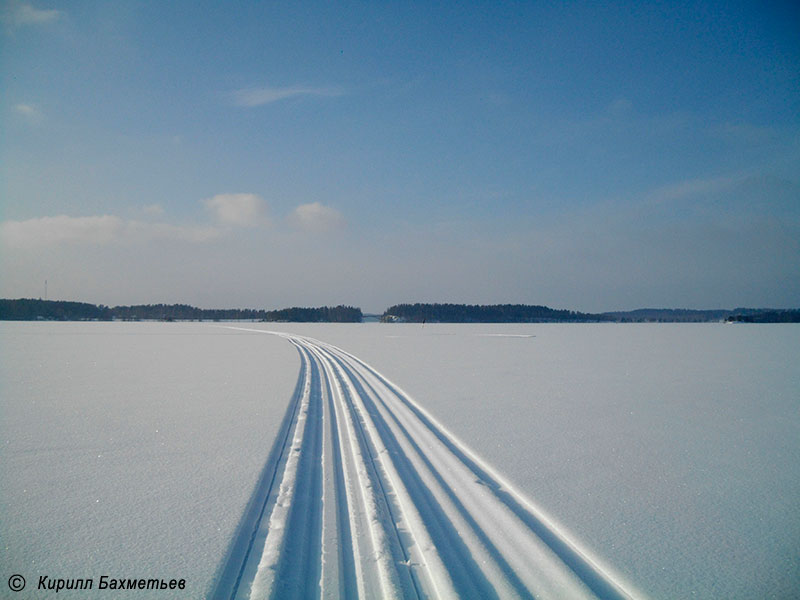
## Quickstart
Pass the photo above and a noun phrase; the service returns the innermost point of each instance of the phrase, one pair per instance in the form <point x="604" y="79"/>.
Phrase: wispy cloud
<point x="138" y="231"/>
<point x="18" y="14"/>
<point x="243" y="210"/>
<point x="690" y="188"/>
<point x="29" y="112"/>
<point x="94" y="231"/>
<point x="252" y="97"/>
<point x="316" y="217"/>
<point x="620" y="106"/>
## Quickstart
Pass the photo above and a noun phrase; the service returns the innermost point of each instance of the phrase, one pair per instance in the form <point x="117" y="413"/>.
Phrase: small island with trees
<point x="473" y="313"/>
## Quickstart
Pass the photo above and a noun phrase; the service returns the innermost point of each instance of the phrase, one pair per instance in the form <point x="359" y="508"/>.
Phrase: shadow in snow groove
<point x="484" y="593"/>
<point x="231" y="571"/>
<point x="468" y="579"/>
<point x="383" y="498"/>
<point x="298" y="571"/>
<point x="347" y="586"/>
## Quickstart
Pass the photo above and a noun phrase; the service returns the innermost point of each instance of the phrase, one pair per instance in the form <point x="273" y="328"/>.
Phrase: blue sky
<point x="263" y="155"/>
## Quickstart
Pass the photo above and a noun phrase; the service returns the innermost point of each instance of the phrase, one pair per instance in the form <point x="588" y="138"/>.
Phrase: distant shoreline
<point x="28" y="309"/>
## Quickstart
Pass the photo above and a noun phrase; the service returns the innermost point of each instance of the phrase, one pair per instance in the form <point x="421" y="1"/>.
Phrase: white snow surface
<point x="131" y="449"/>
<point x="669" y="454"/>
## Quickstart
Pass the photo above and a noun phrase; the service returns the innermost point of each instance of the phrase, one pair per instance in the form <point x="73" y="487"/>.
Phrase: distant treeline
<point x="31" y="310"/>
<point x="52" y="310"/>
<point x="767" y="316"/>
<point x="473" y="313"/>
<point x="670" y="315"/>
<point x="523" y="313"/>
<point x="183" y="312"/>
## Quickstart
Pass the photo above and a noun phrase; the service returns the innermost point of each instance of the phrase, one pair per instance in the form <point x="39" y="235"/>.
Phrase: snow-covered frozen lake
<point x="670" y="454"/>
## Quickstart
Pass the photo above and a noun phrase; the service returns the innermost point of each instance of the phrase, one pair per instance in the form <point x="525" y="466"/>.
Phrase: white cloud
<point x="153" y="209"/>
<point x="245" y="210"/>
<point x="316" y="217"/>
<point x="251" y="97"/>
<point x="47" y="231"/>
<point x="21" y="13"/>
<point x="29" y="112"/>
<point x="95" y="230"/>
<point x="25" y="109"/>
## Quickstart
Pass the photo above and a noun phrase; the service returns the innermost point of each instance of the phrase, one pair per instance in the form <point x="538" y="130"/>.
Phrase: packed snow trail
<point x="366" y="495"/>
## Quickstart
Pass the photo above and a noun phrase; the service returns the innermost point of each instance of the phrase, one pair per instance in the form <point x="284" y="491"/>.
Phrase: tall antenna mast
<point x="45" y="289"/>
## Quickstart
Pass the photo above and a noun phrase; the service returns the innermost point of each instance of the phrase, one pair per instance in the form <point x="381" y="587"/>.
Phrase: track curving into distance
<point x="366" y="495"/>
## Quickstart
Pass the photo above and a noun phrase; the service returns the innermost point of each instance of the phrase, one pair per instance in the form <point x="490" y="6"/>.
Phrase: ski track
<point x="366" y="495"/>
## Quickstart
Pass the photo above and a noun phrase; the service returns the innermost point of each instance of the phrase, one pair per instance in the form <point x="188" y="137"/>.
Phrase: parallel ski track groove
<point x="465" y="514"/>
<point x="467" y="576"/>
<point x="299" y="568"/>
<point x="416" y="513"/>
<point x="363" y="440"/>
<point x="347" y="588"/>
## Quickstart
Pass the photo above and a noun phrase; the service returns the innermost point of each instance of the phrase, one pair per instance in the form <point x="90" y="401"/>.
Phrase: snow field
<point x="655" y="460"/>
<point x="131" y="449"/>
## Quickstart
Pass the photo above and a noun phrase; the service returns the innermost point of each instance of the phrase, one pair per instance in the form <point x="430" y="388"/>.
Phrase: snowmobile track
<point x="366" y="495"/>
